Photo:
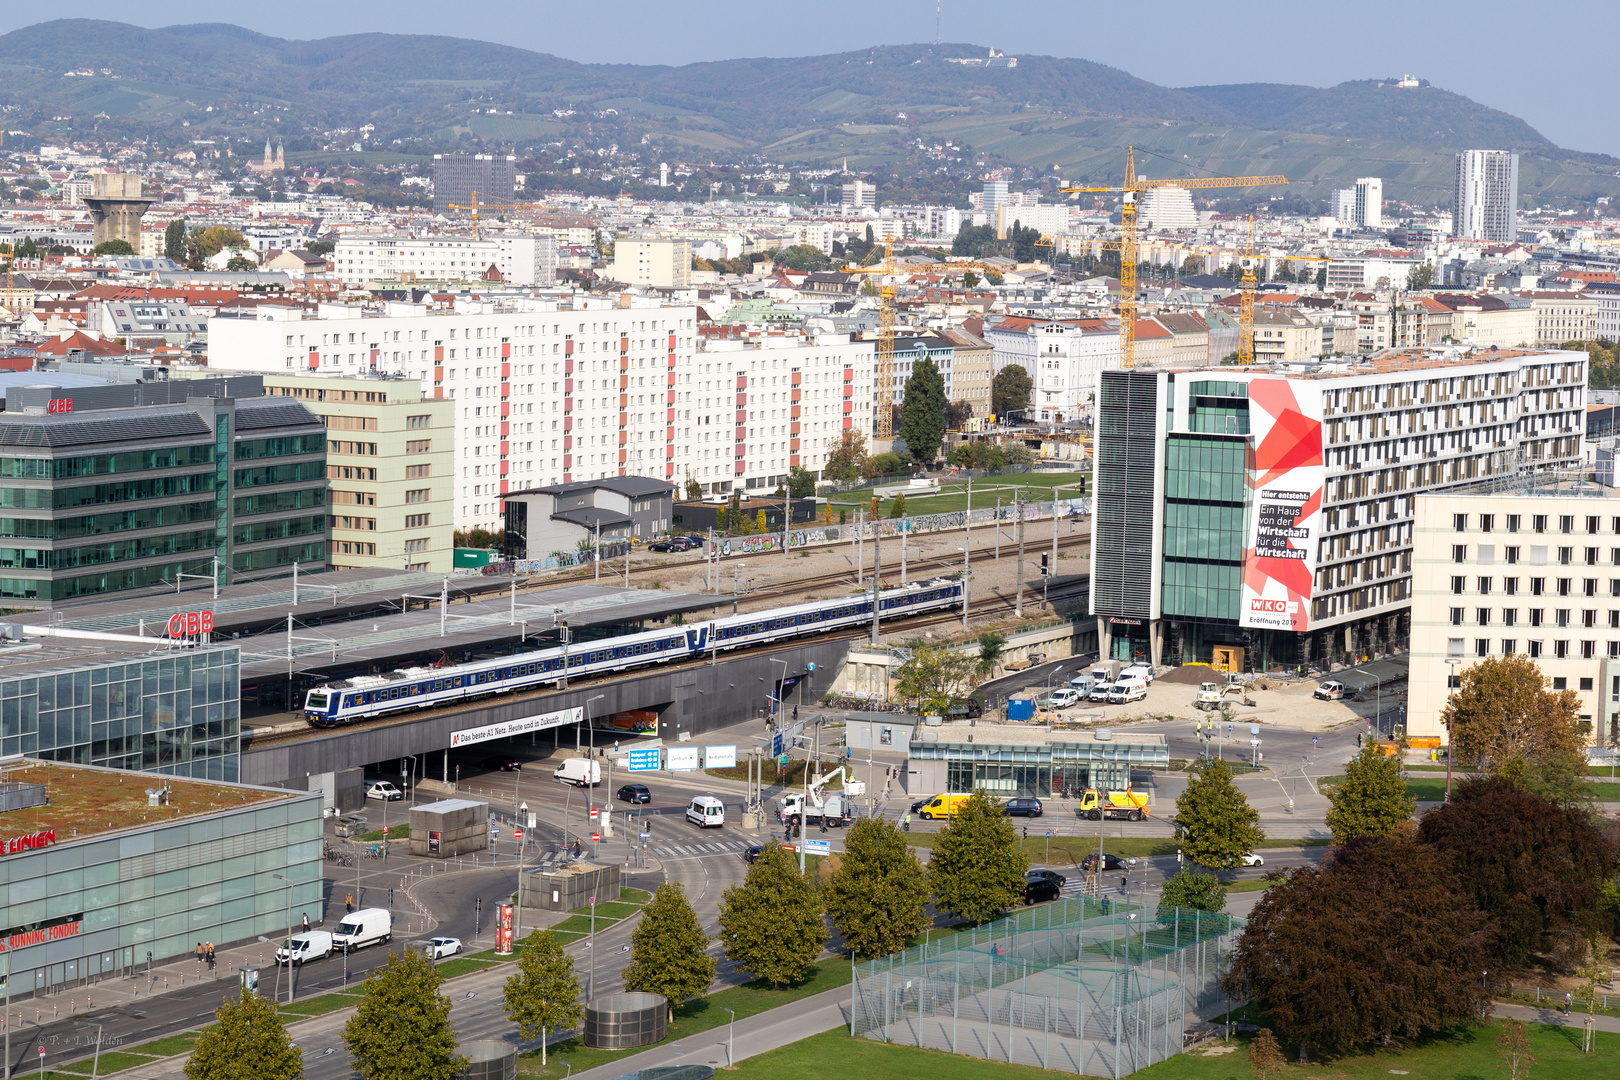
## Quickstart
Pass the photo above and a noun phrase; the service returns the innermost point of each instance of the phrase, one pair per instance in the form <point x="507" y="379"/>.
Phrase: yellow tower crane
<point x="478" y="205"/>
<point x="1249" y="260"/>
<point x="1131" y="191"/>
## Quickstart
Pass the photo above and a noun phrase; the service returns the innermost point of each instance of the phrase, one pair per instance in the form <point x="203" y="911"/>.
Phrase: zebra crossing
<point x="670" y="849"/>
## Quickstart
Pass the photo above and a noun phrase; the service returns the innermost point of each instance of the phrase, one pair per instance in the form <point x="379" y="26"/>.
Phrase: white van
<point x="310" y="945"/>
<point x="1127" y="690"/>
<point x="1081" y="684"/>
<point x="706" y="810"/>
<point x="368" y="926"/>
<point x="1137" y="671"/>
<point x="579" y="771"/>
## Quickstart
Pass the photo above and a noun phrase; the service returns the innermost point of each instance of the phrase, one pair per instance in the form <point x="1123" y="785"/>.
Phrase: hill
<point x="66" y="78"/>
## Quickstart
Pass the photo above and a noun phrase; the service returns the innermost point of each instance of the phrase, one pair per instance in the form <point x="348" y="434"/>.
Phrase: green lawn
<point x="462" y="965"/>
<point x="395" y="832"/>
<point x="174" y="1044"/>
<point x="1247" y="885"/>
<point x="1464" y="1055"/>
<point x="635" y="896"/>
<point x="612" y="909"/>
<point x="834" y="1053"/>
<point x="581" y="924"/>
<point x="317" y="1006"/>
<point x="111" y="1061"/>
<point x="1036" y="487"/>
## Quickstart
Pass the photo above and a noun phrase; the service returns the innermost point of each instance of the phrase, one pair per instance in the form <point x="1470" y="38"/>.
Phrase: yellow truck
<point x="1126" y="804"/>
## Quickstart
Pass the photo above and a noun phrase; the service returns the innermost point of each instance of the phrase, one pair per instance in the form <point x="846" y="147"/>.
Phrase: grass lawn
<point x="489" y="954"/>
<point x="1463" y="1055"/>
<point x="1248" y="885"/>
<point x="612" y="909"/>
<point x="317" y="1006"/>
<point x="395" y="832"/>
<point x="581" y="924"/>
<point x="463" y="965"/>
<point x="174" y="1044"/>
<point x="1071" y="849"/>
<point x="635" y="896"/>
<point x="1036" y="487"/>
<point x="834" y="1053"/>
<point x="111" y="1061"/>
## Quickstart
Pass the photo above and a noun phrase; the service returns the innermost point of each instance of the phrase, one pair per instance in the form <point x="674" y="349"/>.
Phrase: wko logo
<point x="1275" y="607"/>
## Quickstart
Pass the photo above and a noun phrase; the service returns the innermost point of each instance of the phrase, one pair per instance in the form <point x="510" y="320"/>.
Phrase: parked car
<point x="1330" y="691"/>
<point x="1022" y="807"/>
<point x="634" y="793"/>
<point x="1109" y="862"/>
<point x="311" y="945"/>
<point x="1049" y="875"/>
<point x="440" y="947"/>
<point x="966" y="710"/>
<point x="1038" y="888"/>
<point x="385" y="791"/>
<point x="1126" y="691"/>
<point x="1251" y="859"/>
<point x="501" y="763"/>
<point x="1063" y="698"/>
<point x="675" y="543"/>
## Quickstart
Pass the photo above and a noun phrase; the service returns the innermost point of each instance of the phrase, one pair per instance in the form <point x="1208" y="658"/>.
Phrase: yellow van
<point x="941" y="806"/>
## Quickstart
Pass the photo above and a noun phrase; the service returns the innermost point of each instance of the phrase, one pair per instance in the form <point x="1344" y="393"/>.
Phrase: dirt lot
<point x="1288" y="704"/>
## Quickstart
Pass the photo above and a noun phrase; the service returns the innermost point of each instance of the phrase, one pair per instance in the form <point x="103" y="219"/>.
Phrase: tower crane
<point x="1131" y="191"/>
<point x="478" y="205"/>
<point x="1247" y="285"/>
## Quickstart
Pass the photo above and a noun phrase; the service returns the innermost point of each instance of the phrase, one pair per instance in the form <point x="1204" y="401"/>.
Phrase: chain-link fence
<point x="1083" y="985"/>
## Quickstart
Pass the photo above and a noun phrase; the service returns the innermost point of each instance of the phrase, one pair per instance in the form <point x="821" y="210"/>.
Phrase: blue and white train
<point x="351" y="700"/>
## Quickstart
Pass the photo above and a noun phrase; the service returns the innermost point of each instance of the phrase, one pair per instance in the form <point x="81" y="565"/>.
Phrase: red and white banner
<point x="1285" y="478"/>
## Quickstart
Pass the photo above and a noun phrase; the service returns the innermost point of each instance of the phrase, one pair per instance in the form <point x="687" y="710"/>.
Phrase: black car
<point x="1048" y="875"/>
<point x="674" y="543"/>
<point x="1038" y="888"/>
<point x="752" y="852"/>
<point x="500" y="763"/>
<point x="634" y="793"/>
<point x="1109" y="862"/>
<point x="1022" y="807"/>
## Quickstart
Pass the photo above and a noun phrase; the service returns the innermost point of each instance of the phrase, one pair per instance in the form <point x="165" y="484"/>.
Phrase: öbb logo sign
<point x="191" y="623"/>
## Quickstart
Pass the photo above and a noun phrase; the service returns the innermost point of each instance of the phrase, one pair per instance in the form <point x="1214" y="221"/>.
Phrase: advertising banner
<point x="683" y="757"/>
<point x="1285" y="481"/>
<point x="521" y="726"/>
<point x="503" y="931"/>
<point x="720" y="757"/>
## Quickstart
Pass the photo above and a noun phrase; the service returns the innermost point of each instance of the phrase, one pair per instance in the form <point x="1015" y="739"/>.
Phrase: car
<point x="1048" y="875"/>
<point x="675" y="543"/>
<point x="1251" y="859"/>
<point x="501" y="763"/>
<point x="634" y="793"/>
<point x="1062" y="698"/>
<point x="752" y="852"/>
<point x="966" y="710"/>
<point x="1109" y="862"/>
<point x="1037" y="888"/>
<point x="440" y="947"/>
<point x="385" y="791"/>
<point x="1022" y="807"/>
<point x="917" y="806"/>
<point x="1330" y="691"/>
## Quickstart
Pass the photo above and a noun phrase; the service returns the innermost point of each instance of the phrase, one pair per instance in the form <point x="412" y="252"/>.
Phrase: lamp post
<point x="730" y="1028"/>
<point x="1378" y="700"/>
<point x="279" y="877"/>
<point x="523" y="846"/>
<point x="590" y="744"/>
<point x="1452" y="663"/>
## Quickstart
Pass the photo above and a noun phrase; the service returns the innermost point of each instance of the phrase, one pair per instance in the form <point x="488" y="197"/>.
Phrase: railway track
<point x="990" y="605"/>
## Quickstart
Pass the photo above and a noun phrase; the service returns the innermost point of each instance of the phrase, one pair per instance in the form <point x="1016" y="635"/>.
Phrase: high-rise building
<point x="1485" y="197"/>
<point x="995" y="194"/>
<point x="858" y="193"/>
<point x="457" y="176"/>
<point x="1344" y="206"/>
<point x="1167" y="208"/>
<point x="661" y="263"/>
<point x="1370" y="202"/>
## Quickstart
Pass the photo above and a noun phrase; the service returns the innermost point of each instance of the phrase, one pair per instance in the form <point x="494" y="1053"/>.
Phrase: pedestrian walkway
<point x="1546" y="1014"/>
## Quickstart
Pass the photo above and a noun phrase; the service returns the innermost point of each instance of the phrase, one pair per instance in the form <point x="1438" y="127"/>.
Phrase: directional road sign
<point x="818" y="847"/>
<point x="644" y="760"/>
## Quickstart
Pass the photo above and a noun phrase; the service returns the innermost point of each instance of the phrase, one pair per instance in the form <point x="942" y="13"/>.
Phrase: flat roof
<point x="46" y="656"/>
<point x="1383" y="363"/>
<point x="88" y="801"/>
<point x="1530" y="487"/>
<point x="993" y="734"/>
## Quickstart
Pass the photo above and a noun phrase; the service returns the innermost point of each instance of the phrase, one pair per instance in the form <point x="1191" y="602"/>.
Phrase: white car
<point x="385" y="791"/>
<point x="1064" y="697"/>
<point x="1251" y="859"/>
<point x="440" y="947"/>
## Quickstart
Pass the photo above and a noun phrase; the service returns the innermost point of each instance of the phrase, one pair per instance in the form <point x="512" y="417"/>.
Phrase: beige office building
<point x="389" y="466"/>
<point x="1531" y="569"/>
<point x="664" y="264"/>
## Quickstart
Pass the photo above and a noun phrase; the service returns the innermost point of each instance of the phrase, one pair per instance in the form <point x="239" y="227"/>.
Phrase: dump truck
<point x="1209" y="696"/>
<point x="1125" y="805"/>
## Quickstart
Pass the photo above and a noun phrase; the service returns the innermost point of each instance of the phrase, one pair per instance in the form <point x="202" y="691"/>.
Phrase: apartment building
<point x="1369" y="202"/>
<point x="1485" y="196"/>
<point x="456" y="177"/>
<point x="1062" y="356"/>
<point x="1562" y="317"/>
<point x="390" y="465"/>
<point x="1273" y="513"/>
<point x="1529" y="566"/>
<point x="362" y="260"/>
<point x="659" y="263"/>
<point x="974" y="370"/>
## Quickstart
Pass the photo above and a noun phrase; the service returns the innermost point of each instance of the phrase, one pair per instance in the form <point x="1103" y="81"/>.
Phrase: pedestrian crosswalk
<point x="673" y="850"/>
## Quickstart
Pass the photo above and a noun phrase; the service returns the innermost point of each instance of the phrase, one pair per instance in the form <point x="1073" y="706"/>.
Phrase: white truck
<point x="836" y="808"/>
<point x="310" y="945"/>
<point x="368" y="926"/>
<point x="581" y="772"/>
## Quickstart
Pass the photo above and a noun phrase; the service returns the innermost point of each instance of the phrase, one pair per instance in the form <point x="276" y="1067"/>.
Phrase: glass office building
<point x="1031" y="769"/>
<point x="127" y="486"/>
<point x="176" y="713"/>
<point x="111" y="893"/>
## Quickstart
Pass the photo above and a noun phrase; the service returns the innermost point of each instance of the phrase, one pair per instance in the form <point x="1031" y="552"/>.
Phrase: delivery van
<point x="581" y="772"/>
<point x="310" y="945"/>
<point x="706" y="810"/>
<point x="1127" y="690"/>
<point x="941" y="806"/>
<point x="368" y="926"/>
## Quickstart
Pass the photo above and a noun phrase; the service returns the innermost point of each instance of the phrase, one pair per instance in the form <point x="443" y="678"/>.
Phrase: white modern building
<point x="361" y="260"/>
<point x="1169" y="208"/>
<point x="1062" y="356"/>
<point x="1370" y="202"/>
<point x="659" y="263"/>
<point x="1485" y="196"/>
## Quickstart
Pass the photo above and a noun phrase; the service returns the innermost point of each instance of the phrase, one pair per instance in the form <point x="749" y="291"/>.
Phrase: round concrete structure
<point x="621" y="1021"/>
<point x="488" y="1059"/>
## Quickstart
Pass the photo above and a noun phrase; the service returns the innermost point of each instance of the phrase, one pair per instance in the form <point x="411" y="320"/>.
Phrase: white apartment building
<point x="1485" y="196"/>
<point x="359" y="260"/>
<point x="1369" y="208"/>
<point x="1564" y="316"/>
<point x="1344" y="206"/>
<point x="1062" y="357"/>
<point x="1606" y="320"/>
<point x="659" y="263"/>
<point x="1529" y="569"/>
<point x="1167" y="208"/>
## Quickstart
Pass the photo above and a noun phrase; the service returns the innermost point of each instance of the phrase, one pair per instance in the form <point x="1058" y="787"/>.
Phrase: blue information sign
<point x="818" y="847"/>
<point x="644" y="760"/>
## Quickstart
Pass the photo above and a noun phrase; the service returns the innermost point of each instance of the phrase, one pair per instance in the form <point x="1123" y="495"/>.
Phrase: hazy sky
<point x="1547" y="62"/>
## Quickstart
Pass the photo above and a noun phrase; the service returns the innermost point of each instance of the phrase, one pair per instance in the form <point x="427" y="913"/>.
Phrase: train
<point x="367" y="697"/>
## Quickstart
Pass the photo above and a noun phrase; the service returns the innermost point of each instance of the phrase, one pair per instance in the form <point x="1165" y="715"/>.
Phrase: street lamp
<point x="1378" y="700"/>
<point x="278" y="877"/>
<point x="523" y="846"/>
<point x="730" y="1027"/>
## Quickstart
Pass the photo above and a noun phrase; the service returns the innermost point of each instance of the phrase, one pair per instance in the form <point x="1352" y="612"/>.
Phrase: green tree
<point x="772" y="925"/>
<point x="668" y="949"/>
<point x="897" y="509"/>
<point x="922" y="411"/>
<point x="878" y="896"/>
<point x="969" y="279"/>
<point x="991" y="645"/>
<point x="1193" y="889"/>
<point x="240" y="264"/>
<point x="544" y="994"/>
<point x="1371" y="800"/>
<point x="1513" y="1047"/>
<point x="805" y="257"/>
<point x="935" y="678"/>
<point x="801" y="482"/>
<point x="957" y="414"/>
<point x="401" y="1031"/>
<point x="113" y="247"/>
<point x="1019" y="454"/>
<point x="887" y="463"/>
<point x="1321" y="278"/>
<point x="1420" y="276"/>
<point x="247" y="1042"/>
<point x="1505" y="717"/>
<point x="976" y="871"/>
<point x="1010" y="390"/>
<point x="1215" y="823"/>
<point x="759" y="521"/>
<point x="1192" y="266"/>
<point x="846" y="457"/>
<point x="1265" y="1056"/>
<point x="174" y="240"/>
<point x="979" y="455"/>
<point x="321" y="247"/>
<point x="694" y="490"/>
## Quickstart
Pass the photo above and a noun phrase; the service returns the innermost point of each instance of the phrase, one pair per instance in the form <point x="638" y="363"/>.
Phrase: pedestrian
<point x="210" y="954"/>
<point x="1566" y="1002"/>
<point x="199" y="952"/>
<point x="1124" y="882"/>
<point x="905" y="823"/>
<point x="306" y="922"/>
<point x="348" y="903"/>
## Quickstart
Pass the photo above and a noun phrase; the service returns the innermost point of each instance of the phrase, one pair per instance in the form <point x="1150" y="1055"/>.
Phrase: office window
<point x="1592" y="523"/>
<point x="1586" y="683"/>
<point x="1565" y="555"/>
<point x="1539" y="523"/>
<point x="1559" y="682"/>
<point x="1535" y="649"/>
<point x="420" y="544"/>
<point x="1536" y="616"/>
<point x="1589" y="618"/>
<point x="1458" y="582"/>
<point x="1510" y="616"/>
<point x="1510" y="586"/>
<point x="1454" y="646"/>
<point x="1591" y="556"/>
<point x="1513" y="523"/>
<point x="1614" y="654"/>
<point x="1509" y="646"/>
<point x="418" y="446"/>
<point x="417" y="495"/>
<point x="1588" y="651"/>
<point x="1560" y="652"/>
<point x="1456" y="616"/>
<point x="418" y="472"/>
<point x="1538" y="585"/>
<point x="1459" y="522"/>
<point x="1566" y="523"/>
<point x="1589" y="586"/>
<point x="1512" y="555"/>
<point x="1486" y="521"/>
<point x="416" y="521"/>
<point x="1482" y="646"/>
<point x="1562" y="616"/>
<point x="417" y="421"/>
<point x="1483" y="616"/>
<point x="1563" y="586"/>
<point x="1484" y="586"/>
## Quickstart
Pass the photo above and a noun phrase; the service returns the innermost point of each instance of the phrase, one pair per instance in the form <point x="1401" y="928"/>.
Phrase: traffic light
<point x="1046" y="566"/>
<point x="1082" y="487"/>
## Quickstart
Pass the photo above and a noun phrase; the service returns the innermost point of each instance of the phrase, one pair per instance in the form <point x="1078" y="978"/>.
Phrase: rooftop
<point x="993" y="734"/>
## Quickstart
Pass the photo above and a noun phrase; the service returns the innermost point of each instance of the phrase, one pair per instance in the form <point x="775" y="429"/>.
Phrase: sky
<point x="1523" y="59"/>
